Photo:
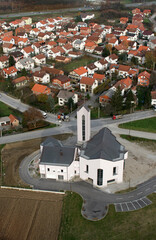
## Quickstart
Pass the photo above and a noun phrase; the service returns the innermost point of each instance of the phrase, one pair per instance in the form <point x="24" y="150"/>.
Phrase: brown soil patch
<point x="29" y="215"/>
<point x="14" y="153"/>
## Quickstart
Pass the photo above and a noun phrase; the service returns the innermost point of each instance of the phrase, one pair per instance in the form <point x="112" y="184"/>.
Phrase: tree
<point x="31" y="117"/>
<point x="109" y="47"/>
<point x="123" y="57"/>
<point x="144" y="97"/>
<point x="105" y="52"/>
<point x="42" y="98"/>
<point x="11" y="61"/>
<point x="70" y="104"/>
<point x="116" y="101"/>
<point x="150" y="59"/>
<point x="51" y="103"/>
<point x="152" y="80"/>
<point x="134" y="60"/>
<point x="129" y="100"/>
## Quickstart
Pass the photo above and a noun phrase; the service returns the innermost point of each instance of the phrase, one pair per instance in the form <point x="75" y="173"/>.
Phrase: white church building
<point x="99" y="159"/>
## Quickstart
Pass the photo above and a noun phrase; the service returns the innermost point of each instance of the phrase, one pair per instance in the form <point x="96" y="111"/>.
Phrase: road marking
<point x="138" y="203"/>
<point x="139" y="193"/>
<point x="143" y="201"/>
<point x="130" y="196"/>
<point x="127" y="206"/>
<point x="147" y="189"/>
<point x="133" y="205"/>
<point x="119" y="198"/>
<point x="121" y="207"/>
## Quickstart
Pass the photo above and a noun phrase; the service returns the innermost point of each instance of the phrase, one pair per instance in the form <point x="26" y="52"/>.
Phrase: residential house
<point x="106" y="96"/>
<point x="153" y="98"/>
<point x="40" y="89"/>
<point x="87" y="16"/>
<point x="8" y="48"/>
<point x="53" y="71"/>
<point x="78" y="73"/>
<point x="143" y="78"/>
<point x="27" y="20"/>
<point x="64" y="96"/>
<point x="88" y="84"/>
<point x="17" y="55"/>
<point x="28" y="51"/>
<point x="4" y="62"/>
<point x="63" y="59"/>
<point x="14" y="121"/>
<point x="99" y="77"/>
<point x="92" y="68"/>
<point x="23" y="42"/>
<point x="73" y="54"/>
<point x="4" y="121"/>
<point x="113" y="58"/>
<point x="98" y="50"/>
<point x="9" y="72"/>
<point x="67" y="48"/>
<point x="21" y="81"/>
<point x="53" y="53"/>
<point x="41" y="77"/>
<point x="123" y="70"/>
<point x="27" y="63"/>
<point x="90" y="46"/>
<point x="124" y="84"/>
<point x="62" y="81"/>
<point x="39" y="59"/>
<point x="101" y="64"/>
<point x="123" y="20"/>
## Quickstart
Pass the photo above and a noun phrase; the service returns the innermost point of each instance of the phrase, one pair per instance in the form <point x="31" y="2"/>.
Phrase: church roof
<point x="103" y="146"/>
<point x="57" y="155"/>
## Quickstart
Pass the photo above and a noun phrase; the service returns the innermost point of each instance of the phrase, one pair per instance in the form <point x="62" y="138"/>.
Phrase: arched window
<point x="99" y="177"/>
<point x="83" y="128"/>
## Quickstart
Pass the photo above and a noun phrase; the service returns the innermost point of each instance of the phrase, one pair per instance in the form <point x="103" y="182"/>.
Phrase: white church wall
<point x="106" y="166"/>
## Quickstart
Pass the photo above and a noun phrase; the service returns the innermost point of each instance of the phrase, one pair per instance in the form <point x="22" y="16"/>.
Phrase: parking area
<point x="132" y="205"/>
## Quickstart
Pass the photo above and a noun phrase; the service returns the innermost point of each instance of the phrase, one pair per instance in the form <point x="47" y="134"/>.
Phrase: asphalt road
<point x="95" y="200"/>
<point x="59" y="11"/>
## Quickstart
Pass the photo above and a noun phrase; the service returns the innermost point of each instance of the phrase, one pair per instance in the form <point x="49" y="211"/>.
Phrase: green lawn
<point x="146" y="125"/>
<point x="75" y="63"/>
<point x="137" y="225"/>
<point x="5" y="110"/>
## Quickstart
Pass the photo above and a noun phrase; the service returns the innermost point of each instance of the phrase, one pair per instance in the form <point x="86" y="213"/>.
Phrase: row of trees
<point x="126" y="102"/>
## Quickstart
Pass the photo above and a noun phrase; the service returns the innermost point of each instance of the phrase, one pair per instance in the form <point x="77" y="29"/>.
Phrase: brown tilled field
<point x="27" y="215"/>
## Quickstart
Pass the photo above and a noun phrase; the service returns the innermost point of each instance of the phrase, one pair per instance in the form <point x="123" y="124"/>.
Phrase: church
<point x="99" y="160"/>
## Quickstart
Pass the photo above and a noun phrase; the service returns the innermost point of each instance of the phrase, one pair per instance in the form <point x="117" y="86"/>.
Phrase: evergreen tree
<point x="11" y="61"/>
<point x="129" y="100"/>
<point x="116" y="101"/>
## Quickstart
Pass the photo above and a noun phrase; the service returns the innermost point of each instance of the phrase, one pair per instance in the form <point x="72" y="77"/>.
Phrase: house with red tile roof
<point x="9" y="40"/>
<point x="21" y="81"/>
<point x="22" y="42"/>
<point x="28" y="51"/>
<point x="62" y="81"/>
<point x="39" y="59"/>
<point x="113" y="58"/>
<point x="8" y="48"/>
<point x="67" y="47"/>
<point x="14" y="121"/>
<point x="123" y="70"/>
<point x="34" y="32"/>
<point x="99" y="77"/>
<point x="123" y="20"/>
<point x="41" y="77"/>
<point x="9" y="72"/>
<point x="73" y="54"/>
<point x="147" y="12"/>
<point x="106" y="96"/>
<point x="101" y="64"/>
<point x="90" y="46"/>
<point x="53" y="53"/>
<point x="124" y="84"/>
<point x="27" y="20"/>
<point x="4" y="62"/>
<point x="143" y="78"/>
<point x="88" y="84"/>
<point x="63" y="59"/>
<point x="53" y="71"/>
<point x="78" y="73"/>
<point x="40" y="89"/>
<point x="136" y="11"/>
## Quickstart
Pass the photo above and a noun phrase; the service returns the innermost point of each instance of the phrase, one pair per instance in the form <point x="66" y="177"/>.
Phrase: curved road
<point x="94" y="200"/>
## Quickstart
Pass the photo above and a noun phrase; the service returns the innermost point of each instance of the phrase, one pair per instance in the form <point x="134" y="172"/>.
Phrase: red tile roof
<point x="80" y="70"/>
<point x="87" y="81"/>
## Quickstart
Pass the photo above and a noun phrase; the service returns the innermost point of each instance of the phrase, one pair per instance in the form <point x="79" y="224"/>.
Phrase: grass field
<point x="143" y="142"/>
<point x="5" y="110"/>
<point x="29" y="215"/>
<point x="75" y="63"/>
<point x="14" y="153"/>
<point x="137" y="225"/>
<point x="146" y="125"/>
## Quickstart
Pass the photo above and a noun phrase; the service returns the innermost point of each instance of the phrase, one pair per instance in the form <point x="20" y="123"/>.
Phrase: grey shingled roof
<point x="50" y="141"/>
<point x="65" y="94"/>
<point x="104" y="146"/>
<point x="57" y="155"/>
